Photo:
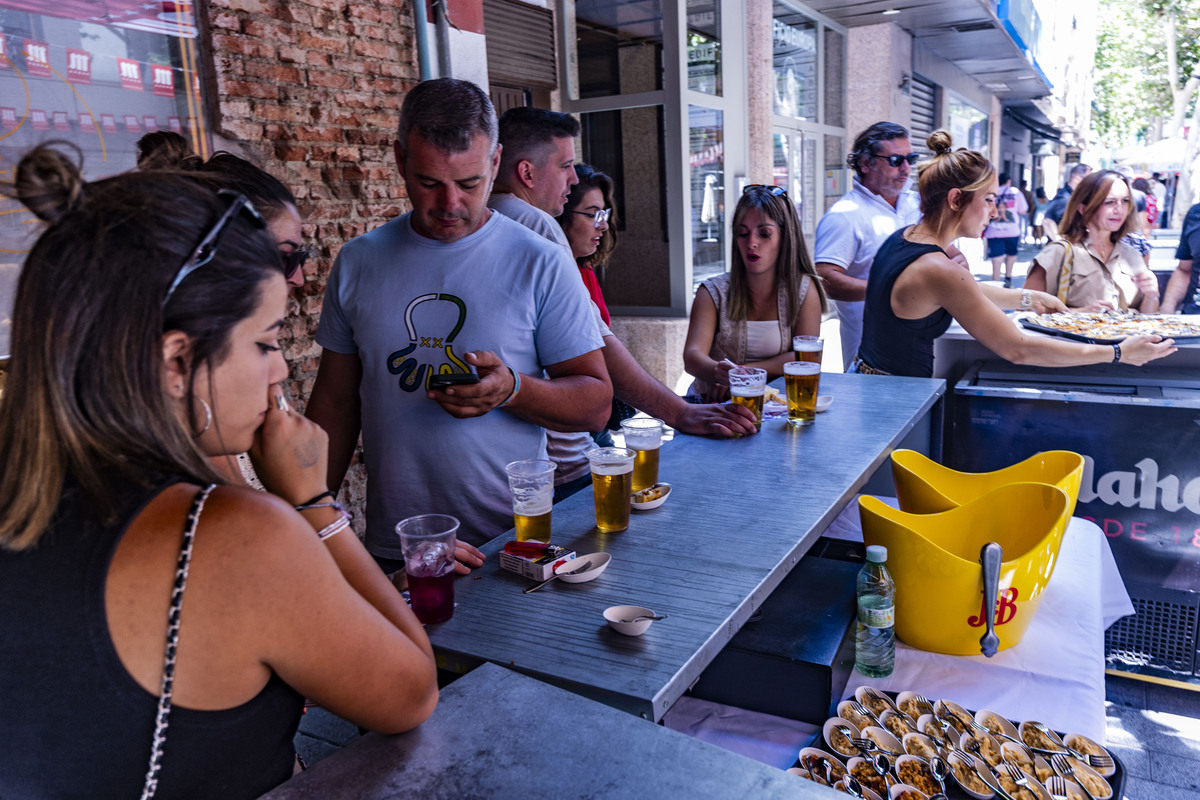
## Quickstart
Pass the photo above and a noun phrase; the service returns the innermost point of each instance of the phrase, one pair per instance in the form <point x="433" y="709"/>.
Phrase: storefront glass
<point x="704" y="46"/>
<point x="706" y="177"/>
<point x="837" y="174"/>
<point x="968" y="125"/>
<point x="99" y="76"/>
<point x="794" y="44"/>
<point x="619" y="47"/>
<point x="835" y="78"/>
<point x="628" y="145"/>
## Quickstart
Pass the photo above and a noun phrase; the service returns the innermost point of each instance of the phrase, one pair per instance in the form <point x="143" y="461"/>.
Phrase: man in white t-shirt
<point x="851" y="231"/>
<point x="537" y="146"/>
<point x="451" y="288"/>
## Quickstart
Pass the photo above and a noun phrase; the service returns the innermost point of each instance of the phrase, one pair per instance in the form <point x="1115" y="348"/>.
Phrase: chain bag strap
<point x="168" y="679"/>
<point x="1064" y="274"/>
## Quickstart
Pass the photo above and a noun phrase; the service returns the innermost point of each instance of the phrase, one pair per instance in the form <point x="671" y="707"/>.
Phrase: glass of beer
<point x="803" y="378"/>
<point x="643" y="435"/>
<point x="532" y="485"/>
<point x="747" y="386"/>
<point x="808" y="348"/>
<point x="428" y="542"/>
<point x="612" y="486"/>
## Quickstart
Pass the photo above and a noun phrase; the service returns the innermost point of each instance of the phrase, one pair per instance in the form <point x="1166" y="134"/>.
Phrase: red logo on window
<point x="61" y="123"/>
<point x="37" y="58"/>
<point x="132" y="123"/>
<point x="39" y="119"/>
<point x="79" y="66"/>
<point x="4" y="54"/>
<point x="163" y="79"/>
<point x="109" y="123"/>
<point x="8" y="117"/>
<point x="131" y="74"/>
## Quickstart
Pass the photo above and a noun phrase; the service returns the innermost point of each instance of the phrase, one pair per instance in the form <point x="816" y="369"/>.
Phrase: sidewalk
<point x="1162" y="256"/>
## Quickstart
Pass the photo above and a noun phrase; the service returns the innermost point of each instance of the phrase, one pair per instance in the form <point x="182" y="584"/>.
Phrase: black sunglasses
<point x="774" y="191"/>
<point x="897" y="160"/>
<point x="294" y="259"/>
<point x="207" y="249"/>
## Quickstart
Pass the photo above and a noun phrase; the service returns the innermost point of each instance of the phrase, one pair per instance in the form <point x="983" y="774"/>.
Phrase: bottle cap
<point x="877" y="553"/>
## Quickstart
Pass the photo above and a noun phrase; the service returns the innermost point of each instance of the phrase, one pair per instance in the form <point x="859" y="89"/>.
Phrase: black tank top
<point x="74" y="723"/>
<point x="894" y="345"/>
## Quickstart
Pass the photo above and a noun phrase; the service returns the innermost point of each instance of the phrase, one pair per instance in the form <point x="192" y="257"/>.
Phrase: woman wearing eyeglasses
<point x="590" y="227"/>
<point x="160" y="627"/>
<point x="915" y="289"/>
<point x="748" y="316"/>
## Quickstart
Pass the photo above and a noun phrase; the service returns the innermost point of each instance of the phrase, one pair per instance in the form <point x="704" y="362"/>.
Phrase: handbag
<point x="1064" y="277"/>
<point x="162" y="717"/>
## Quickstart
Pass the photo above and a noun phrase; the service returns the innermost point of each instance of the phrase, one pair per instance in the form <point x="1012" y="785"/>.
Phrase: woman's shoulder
<point x="237" y="519"/>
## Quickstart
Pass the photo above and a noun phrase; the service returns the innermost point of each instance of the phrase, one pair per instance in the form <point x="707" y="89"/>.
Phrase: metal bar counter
<point x="741" y="514"/>
<point x="497" y="734"/>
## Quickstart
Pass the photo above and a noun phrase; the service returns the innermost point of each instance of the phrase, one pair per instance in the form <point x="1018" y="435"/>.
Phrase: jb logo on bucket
<point x="429" y="351"/>
<point x="1006" y="609"/>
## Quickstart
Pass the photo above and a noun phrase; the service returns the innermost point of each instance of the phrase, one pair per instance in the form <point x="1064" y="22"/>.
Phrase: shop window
<point x="98" y="75"/>
<point x="704" y="46"/>
<point x="968" y="125"/>
<point x="794" y="46"/>
<point x="619" y="46"/>
<point x="835" y="78"/>
<point x="706" y="179"/>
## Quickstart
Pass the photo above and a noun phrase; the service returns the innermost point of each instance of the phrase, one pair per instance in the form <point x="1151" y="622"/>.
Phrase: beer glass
<point x="808" y="348"/>
<point x="612" y="486"/>
<point x="747" y="386"/>
<point x="428" y="542"/>
<point x="643" y="435"/>
<point x="532" y="485"/>
<point x="803" y="378"/>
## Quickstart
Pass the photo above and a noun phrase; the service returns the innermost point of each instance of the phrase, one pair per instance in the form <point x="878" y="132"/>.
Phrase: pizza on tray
<point x="1114" y="325"/>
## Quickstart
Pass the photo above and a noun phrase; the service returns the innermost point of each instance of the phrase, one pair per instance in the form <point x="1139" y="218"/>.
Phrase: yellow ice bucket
<point x="935" y="561"/>
<point x="926" y="487"/>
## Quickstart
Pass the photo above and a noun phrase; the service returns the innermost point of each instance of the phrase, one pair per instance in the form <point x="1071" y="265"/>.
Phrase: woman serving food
<point x="915" y="290"/>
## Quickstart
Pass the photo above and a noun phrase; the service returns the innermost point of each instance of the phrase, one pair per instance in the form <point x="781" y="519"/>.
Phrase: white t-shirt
<point x="848" y="236"/>
<point x="407" y="305"/>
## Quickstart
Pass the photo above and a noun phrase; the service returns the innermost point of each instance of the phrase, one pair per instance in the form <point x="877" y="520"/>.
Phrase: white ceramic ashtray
<point x="651" y="497"/>
<point x="824" y="401"/>
<point x="565" y="570"/>
<point x="619" y="619"/>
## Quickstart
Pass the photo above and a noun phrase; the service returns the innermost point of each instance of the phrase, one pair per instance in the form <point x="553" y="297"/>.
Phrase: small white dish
<point x="646" y="505"/>
<point x="902" y="791"/>
<point x="846" y="749"/>
<point x="884" y="739"/>
<point x="824" y="401"/>
<point x="616" y="614"/>
<point x="599" y="564"/>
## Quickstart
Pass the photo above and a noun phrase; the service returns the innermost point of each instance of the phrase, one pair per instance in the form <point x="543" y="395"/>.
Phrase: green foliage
<point x="1132" y="85"/>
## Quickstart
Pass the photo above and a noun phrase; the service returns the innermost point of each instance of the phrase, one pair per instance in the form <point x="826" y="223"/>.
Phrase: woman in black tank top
<point x="914" y="288"/>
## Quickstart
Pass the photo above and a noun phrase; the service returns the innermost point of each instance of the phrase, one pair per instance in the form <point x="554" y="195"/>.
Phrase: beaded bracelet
<point x="337" y="526"/>
<point x="331" y="504"/>
<point x="516" y="387"/>
<point x="1116" y="354"/>
<point x="1026" y="299"/>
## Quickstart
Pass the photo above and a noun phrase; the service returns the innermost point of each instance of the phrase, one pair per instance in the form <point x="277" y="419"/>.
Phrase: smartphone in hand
<point x="442" y="380"/>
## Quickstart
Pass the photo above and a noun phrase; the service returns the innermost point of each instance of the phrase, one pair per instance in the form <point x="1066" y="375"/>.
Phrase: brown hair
<point x="84" y="399"/>
<point x="592" y="178"/>
<point x="1086" y="200"/>
<point x="793" y="261"/>
<point x="962" y="169"/>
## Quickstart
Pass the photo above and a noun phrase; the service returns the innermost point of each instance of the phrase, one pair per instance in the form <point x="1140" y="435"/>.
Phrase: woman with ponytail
<point x="144" y="343"/>
<point x="915" y="289"/>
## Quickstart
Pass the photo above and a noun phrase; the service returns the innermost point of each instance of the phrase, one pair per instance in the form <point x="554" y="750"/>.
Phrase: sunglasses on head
<point x="897" y="160"/>
<point x="774" y="191"/>
<point x="207" y="249"/>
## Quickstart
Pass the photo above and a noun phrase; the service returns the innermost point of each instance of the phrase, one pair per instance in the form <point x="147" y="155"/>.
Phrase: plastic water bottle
<point x="875" y="640"/>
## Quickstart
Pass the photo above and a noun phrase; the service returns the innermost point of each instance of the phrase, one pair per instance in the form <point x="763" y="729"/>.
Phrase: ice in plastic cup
<point x="427" y="542"/>
<point x="803" y="379"/>
<point x="643" y="435"/>
<point x="612" y="486"/>
<point x="747" y="387"/>
<point x="808" y="348"/>
<point x="532" y="485"/>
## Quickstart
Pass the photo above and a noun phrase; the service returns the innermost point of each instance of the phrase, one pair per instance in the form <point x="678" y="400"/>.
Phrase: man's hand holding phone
<point x="465" y="398"/>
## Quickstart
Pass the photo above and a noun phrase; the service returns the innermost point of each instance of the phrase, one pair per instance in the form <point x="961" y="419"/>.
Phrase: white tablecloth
<point x="1055" y="675"/>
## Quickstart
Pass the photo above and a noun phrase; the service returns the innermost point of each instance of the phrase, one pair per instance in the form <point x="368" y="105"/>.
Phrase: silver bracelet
<point x="334" y="527"/>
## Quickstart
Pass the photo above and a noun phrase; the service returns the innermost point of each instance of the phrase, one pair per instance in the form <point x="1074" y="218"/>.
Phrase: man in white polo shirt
<point x="854" y="227"/>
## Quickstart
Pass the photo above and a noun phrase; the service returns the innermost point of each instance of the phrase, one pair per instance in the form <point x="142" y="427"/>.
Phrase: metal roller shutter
<point x="520" y="44"/>
<point x="924" y="113"/>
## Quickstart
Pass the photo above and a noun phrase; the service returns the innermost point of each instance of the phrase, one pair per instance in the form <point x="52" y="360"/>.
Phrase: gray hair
<point x="447" y="113"/>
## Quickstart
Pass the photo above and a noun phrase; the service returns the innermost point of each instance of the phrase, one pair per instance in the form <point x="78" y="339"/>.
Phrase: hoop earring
<point x="207" y="416"/>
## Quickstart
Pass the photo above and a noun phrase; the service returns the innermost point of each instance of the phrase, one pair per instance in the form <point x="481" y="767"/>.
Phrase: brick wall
<point x="311" y="90"/>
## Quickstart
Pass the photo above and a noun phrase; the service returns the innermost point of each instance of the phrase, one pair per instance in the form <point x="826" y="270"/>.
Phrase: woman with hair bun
<point x="144" y="343"/>
<point x="915" y="289"/>
<point x="1089" y="266"/>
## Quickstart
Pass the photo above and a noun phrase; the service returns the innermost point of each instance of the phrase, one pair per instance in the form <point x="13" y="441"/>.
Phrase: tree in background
<point x="1147" y="77"/>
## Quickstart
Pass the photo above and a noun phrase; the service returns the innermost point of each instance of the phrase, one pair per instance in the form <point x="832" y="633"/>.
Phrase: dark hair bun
<point x="939" y="143"/>
<point x="48" y="182"/>
<point x="162" y="150"/>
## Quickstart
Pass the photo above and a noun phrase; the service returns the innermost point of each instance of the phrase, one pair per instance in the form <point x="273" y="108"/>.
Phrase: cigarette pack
<point x="538" y="566"/>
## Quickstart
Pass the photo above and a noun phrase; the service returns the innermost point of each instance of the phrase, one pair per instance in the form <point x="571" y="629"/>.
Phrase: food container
<point x="924" y="486"/>
<point x="935" y="561"/>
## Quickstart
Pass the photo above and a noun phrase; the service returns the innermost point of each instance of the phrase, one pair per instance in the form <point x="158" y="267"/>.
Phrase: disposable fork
<point x="1063" y="766"/>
